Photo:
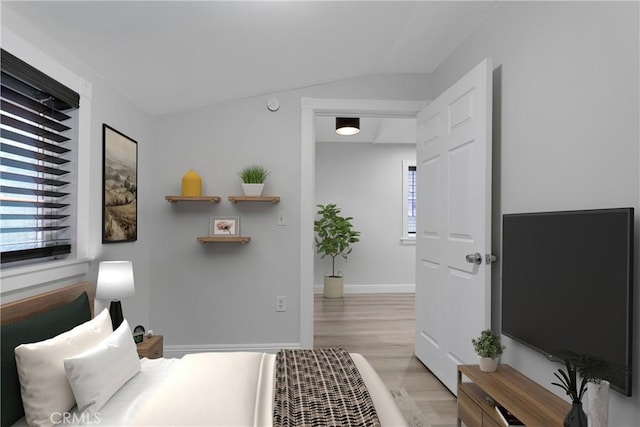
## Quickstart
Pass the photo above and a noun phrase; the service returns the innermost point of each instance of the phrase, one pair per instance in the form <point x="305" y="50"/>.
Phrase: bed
<point x="223" y="389"/>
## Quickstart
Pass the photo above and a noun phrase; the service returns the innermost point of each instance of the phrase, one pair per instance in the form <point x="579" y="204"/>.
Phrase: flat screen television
<point x="567" y="282"/>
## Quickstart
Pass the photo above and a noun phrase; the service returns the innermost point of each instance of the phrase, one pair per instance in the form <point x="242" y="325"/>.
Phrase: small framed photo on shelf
<point x="224" y="226"/>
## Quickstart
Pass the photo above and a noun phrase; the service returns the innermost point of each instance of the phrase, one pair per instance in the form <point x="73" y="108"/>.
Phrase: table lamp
<point x="115" y="281"/>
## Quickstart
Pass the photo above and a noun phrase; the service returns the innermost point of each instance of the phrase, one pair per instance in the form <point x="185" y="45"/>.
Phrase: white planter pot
<point x="488" y="364"/>
<point x="598" y="404"/>
<point x="333" y="287"/>
<point x="252" y="189"/>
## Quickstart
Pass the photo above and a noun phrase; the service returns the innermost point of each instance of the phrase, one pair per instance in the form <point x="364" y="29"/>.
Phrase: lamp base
<point x="115" y="311"/>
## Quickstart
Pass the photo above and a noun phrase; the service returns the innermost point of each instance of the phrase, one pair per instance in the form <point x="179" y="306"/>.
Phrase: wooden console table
<point x="531" y="403"/>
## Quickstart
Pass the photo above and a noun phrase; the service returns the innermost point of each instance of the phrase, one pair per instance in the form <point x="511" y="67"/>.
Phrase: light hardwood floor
<point x="381" y="328"/>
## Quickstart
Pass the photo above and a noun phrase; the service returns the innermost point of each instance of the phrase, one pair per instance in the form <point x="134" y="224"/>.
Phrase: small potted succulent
<point x="253" y="178"/>
<point x="488" y="348"/>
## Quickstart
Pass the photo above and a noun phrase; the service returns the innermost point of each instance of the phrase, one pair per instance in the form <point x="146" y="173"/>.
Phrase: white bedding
<point x="233" y="399"/>
<point x="121" y="408"/>
<point x="238" y="391"/>
<point x="225" y="389"/>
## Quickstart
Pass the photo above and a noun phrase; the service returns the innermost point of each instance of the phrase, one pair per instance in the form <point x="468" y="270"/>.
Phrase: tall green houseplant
<point x="334" y="237"/>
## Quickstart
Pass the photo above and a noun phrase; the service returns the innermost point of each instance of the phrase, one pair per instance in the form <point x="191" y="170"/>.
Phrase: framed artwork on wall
<point x="224" y="226"/>
<point x="119" y="187"/>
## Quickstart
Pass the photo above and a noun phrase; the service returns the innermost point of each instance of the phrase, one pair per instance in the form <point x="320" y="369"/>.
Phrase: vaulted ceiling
<point x="169" y="56"/>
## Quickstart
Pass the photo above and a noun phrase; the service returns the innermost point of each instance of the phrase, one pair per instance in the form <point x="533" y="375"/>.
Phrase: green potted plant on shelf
<point x="334" y="237"/>
<point x="253" y="178"/>
<point x="488" y="348"/>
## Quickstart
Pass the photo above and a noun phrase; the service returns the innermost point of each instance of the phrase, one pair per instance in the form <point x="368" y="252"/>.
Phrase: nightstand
<point x="151" y="347"/>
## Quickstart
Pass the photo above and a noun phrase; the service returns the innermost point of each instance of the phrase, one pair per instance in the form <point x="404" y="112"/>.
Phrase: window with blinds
<point x="411" y="200"/>
<point x="409" y="188"/>
<point x="38" y="131"/>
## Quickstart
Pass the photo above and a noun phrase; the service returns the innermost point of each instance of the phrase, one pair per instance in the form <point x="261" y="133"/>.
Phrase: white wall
<point x="215" y="295"/>
<point x="365" y="181"/>
<point x="566" y="135"/>
<point x="107" y="106"/>
<point x="223" y="295"/>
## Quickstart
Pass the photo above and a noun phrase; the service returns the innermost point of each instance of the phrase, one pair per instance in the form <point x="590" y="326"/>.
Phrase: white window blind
<point x="36" y="128"/>
<point x="409" y="180"/>
<point x="411" y="200"/>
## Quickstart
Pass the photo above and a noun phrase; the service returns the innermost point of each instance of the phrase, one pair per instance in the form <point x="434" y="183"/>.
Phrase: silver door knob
<point x="474" y="258"/>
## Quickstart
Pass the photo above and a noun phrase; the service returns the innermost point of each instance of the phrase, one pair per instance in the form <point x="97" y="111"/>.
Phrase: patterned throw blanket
<point x="320" y="388"/>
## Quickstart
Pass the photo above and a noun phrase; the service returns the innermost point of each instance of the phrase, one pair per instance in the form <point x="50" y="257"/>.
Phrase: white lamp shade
<point x="115" y="280"/>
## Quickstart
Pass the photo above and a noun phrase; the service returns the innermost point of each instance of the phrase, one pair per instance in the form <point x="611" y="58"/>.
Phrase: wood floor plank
<point x="381" y="328"/>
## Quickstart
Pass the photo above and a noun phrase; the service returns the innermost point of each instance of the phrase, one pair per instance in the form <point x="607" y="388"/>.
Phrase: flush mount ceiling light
<point x="347" y="125"/>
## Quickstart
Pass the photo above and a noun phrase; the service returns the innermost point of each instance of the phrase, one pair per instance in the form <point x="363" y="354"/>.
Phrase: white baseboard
<point x="171" y="351"/>
<point x="373" y="289"/>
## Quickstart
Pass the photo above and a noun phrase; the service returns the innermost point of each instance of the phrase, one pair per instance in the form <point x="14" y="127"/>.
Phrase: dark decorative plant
<point x="488" y="344"/>
<point x="569" y="379"/>
<point x="334" y="234"/>
<point x="590" y="369"/>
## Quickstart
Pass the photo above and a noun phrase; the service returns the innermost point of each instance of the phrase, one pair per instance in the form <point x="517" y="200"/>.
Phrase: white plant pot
<point x="598" y="404"/>
<point x="488" y="364"/>
<point x="333" y="287"/>
<point x="252" y="189"/>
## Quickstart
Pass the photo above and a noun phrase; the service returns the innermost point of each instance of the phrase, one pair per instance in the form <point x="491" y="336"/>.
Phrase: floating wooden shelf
<point x="223" y="239"/>
<point x="176" y="199"/>
<point x="272" y="199"/>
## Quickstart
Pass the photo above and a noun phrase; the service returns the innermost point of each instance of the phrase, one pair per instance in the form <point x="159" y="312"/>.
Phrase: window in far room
<point x="39" y="134"/>
<point x="408" y="201"/>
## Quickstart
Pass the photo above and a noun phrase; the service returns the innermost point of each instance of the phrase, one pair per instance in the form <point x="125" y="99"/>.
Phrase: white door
<point x="453" y="296"/>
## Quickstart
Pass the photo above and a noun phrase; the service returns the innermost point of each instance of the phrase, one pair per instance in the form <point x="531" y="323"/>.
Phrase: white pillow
<point x="98" y="373"/>
<point x="43" y="381"/>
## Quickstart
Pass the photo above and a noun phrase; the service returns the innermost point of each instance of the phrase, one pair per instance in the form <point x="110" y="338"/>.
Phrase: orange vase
<point x="191" y="184"/>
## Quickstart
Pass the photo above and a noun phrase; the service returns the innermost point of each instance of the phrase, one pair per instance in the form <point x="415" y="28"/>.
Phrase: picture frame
<point x="119" y="187"/>
<point x="228" y="226"/>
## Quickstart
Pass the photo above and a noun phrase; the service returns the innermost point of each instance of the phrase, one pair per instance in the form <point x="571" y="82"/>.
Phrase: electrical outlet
<point x="282" y="219"/>
<point x="281" y="303"/>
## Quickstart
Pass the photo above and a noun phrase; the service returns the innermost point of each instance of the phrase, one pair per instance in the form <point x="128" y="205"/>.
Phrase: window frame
<point x="19" y="277"/>
<point x="406" y="238"/>
<point x="40" y="119"/>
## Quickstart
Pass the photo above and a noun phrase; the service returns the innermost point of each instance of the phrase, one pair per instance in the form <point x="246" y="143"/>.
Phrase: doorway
<point x="312" y="108"/>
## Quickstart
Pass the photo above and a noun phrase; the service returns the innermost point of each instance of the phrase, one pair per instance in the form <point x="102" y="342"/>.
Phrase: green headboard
<point x="35" y="319"/>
